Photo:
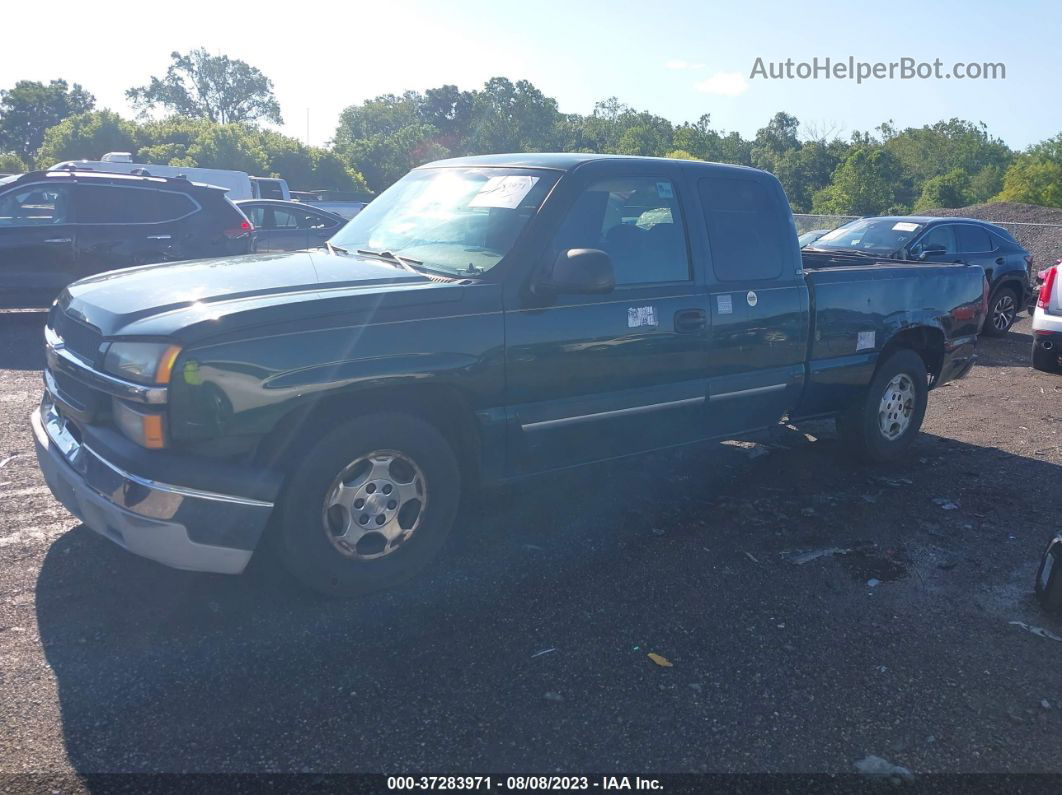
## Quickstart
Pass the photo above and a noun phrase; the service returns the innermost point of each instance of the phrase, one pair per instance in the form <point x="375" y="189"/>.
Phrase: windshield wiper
<point x="840" y="252"/>
<point x="407" y="263"/>
<point x="334" y="249"/>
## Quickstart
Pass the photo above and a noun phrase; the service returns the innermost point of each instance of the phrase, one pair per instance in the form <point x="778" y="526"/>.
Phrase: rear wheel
<point x="1002" y="312"/>
<point x="369" y="505"/>
<point x="883" y="425"/>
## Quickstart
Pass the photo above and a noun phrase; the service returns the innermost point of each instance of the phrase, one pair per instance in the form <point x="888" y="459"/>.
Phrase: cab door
<point x="758" y="301"/>
<point x="591" y="377"/>
<point x="37" y="243"/>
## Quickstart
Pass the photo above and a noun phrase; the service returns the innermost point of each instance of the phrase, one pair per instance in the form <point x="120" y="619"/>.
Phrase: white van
<point x="239" y="184"/>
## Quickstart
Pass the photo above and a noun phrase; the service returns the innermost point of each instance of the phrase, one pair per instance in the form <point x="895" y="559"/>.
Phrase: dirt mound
<point x="1037" y="228"/>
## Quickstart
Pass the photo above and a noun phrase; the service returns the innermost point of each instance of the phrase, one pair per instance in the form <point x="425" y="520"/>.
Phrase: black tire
<point x="860" y="428"/>
<point x="1002" y="308"/>
<point x="302" y="538"/>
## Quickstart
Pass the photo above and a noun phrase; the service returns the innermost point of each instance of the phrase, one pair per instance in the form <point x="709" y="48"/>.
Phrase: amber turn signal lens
<point x="153" y="436"/>
<point x="165" y="368"/>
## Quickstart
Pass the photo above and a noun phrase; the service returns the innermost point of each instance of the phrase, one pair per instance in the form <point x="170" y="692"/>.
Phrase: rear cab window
<point x="745" y="235"/>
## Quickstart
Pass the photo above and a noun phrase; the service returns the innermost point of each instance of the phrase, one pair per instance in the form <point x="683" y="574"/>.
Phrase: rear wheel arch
<point x="926" y="341"/>
<point x="1012" y="284"/>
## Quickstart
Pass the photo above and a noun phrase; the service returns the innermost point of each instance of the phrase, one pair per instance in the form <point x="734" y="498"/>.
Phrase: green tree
<point x="382" y="159"/>
<point x="511" y="117"/>
<point x="938" y="149"/>
<point x="10" y="163"/>
<point x="166" y="141"/>
<point x="30" y="108"/>
<point x="229" y="146"/>
<point x="383" y="115"/>
<point x="985" y="184"/>
<point x="945" y="190"/>
<point x="864" y="184"/>
<point x="329" y="172"/>
<point x="1033" y="179"/>
<point x="212" y="87"/>
<point x="86" y="136"/>
<point x="778" y="137"/>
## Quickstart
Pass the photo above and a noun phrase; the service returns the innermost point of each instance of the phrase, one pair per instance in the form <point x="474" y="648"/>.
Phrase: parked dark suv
<point x="59" y="226"/>
<point x="1007" y="265"/>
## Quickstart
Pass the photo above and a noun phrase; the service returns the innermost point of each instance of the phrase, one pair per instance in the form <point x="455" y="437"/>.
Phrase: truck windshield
<point x="873" y="235"/>
<point x="454" y="220"/>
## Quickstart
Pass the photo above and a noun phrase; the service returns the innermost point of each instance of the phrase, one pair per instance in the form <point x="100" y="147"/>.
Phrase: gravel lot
<point x="525" y="647"/>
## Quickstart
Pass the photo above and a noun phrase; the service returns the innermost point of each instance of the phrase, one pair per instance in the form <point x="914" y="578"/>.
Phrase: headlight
<point x="143" y="362"/>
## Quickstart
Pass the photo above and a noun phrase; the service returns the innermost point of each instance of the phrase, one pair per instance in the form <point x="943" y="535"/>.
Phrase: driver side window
<point x="637" y="222"/>
<point x="35" y="205"/>
<point x="936" y="237"/>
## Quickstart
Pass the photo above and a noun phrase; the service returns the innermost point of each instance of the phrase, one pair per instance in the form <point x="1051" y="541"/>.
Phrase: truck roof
<point x="566" y="161"/>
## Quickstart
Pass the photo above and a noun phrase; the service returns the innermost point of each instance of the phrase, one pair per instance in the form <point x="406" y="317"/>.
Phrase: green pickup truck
<point x="483" y="320"/>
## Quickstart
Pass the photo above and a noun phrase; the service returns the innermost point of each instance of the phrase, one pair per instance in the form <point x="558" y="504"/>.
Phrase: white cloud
<point x="725" y="84"/>
<point x="678" y="63"/>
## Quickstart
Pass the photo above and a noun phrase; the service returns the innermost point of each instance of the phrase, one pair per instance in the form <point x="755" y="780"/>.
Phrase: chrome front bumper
<point x="171" y="524"/>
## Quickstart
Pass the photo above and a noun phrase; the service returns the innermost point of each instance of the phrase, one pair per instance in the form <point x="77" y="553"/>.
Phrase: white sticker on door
<point x="641" y="316"/>
<point x="724" y="304"/>
<point x="866" y="340"/>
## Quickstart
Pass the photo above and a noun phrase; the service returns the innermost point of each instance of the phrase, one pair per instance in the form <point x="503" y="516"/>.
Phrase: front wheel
<point x="1002" y="312"/>
<point x="369" y="505"/>
<point x="881" y="427"/>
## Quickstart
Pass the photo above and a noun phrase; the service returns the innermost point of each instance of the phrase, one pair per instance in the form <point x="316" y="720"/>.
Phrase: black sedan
<point x="289" y="226"/>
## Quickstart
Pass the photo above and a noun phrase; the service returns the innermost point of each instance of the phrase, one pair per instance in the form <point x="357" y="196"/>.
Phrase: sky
<point x="677" y="59"/>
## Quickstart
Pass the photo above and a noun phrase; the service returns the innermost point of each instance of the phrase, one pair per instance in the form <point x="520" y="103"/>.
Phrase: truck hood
<point x="169" y="298"/>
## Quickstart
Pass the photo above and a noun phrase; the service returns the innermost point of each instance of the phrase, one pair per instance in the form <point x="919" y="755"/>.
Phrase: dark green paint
<point x="268" y="335"/>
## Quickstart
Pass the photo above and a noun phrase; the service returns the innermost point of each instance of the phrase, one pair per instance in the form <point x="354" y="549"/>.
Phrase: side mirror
<point x="930" y="250"/>
<point x="580" y="271"/>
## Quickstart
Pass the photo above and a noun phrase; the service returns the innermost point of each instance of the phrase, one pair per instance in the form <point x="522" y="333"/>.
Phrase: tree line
<point x="212" y="110"/>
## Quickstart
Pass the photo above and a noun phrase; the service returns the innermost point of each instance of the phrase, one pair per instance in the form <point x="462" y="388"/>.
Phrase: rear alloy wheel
<point x="881" y="427"/>
<point x="1002" y="312"/>
<point x="369" y="505"/>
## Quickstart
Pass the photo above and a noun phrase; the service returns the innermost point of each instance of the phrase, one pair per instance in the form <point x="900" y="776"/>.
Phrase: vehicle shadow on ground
<point x="523" y="647"/>
<point x="22" y="340"/>
<point x="1012" y="350"/>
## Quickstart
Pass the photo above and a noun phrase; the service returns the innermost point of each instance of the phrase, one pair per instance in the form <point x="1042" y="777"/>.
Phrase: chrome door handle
<point x="159" y="237"/>
<point x="59" y="240"/>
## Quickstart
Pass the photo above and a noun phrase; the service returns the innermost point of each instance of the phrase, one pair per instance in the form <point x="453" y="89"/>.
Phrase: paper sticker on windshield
<point x="663" y="190"/>
<point x="641" y="316"/>
<point x="904" y="226"/>
<point x="724" y="304"/>
<point x="505" y="192"/>
<point x="866" y="340"/>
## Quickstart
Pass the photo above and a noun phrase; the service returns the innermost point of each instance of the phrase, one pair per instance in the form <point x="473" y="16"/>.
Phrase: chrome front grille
<point x="78" y="337"/>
